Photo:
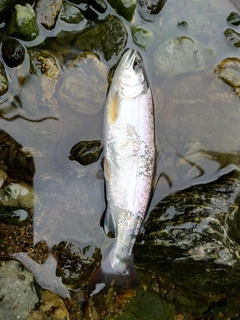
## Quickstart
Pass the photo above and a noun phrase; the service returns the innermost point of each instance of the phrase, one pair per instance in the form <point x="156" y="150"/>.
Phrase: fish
<point x="129" y="157"/>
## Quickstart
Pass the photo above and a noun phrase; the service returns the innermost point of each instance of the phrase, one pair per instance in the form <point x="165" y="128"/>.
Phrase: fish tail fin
<point x="106" y="277"/>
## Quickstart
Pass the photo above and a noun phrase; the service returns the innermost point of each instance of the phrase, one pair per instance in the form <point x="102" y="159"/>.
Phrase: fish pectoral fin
<point x="108" y="224"/>
<point x="112" y="106"/>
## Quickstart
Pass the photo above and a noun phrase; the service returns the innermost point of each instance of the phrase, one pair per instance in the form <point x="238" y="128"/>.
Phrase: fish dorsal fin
<point x="108" y="224"/>
<point x="113" y="107"/>
<point x="107" y="169"/>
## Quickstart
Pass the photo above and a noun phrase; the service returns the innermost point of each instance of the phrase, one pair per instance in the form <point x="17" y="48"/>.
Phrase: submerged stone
<point x="152" y="307"/>
<point x="70" y="13"/>
<point x="151" y="7"/>
<point x="13" y="52"/>
<point x="18" y="164"/>
<point x="107" y="38"/>
<point x="47" y="12"/>
<point x="192" y="236"/>
<point x="85" y="84"/>
<point x="181" y="55"/>
<point x="234" y="18"/>
<point x="75" y="266"/>
<point x="86" y="152"/>
<point x="13" y="215"/>
<point x="51" y="306"/>
<point x="233" y="37"/>
<point x="7" y="6"/>
<point x="45" y="66"/>
<point x="229" y="71"/>
<point x="3" y="80"/>
<point x="22" y="23"/>
<point x="17" y="291"/>
<point x="141" y="36"/>
<point x="124" y="8"/>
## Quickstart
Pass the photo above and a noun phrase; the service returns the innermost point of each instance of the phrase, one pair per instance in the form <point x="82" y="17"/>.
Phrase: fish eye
<point x="137" y="64"/>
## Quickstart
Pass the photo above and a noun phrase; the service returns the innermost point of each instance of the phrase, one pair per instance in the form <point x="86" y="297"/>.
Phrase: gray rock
<point x="85" y="84"/>
<point x="17" y="292"/>
<point x="47" y="12"/>
<point x="70" y="13"/>
<point x="181" y="55"/>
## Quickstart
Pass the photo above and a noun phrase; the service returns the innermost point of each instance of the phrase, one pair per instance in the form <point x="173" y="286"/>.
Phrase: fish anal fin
<point x="108" y="224"/>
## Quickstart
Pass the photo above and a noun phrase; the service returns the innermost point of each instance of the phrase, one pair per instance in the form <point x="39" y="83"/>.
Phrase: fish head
<point x="130" y="75"/>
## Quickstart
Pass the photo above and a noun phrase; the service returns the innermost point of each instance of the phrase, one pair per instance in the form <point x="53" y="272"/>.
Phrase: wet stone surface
<point x="108" y="38"/>
<point x="196" y="229"/>
<point x="181" y="55"/>
<point x="22" y="23"/>
<point x="86" y="152"/>
<point x="85" y="84"/>
<point x="18" y="295"/>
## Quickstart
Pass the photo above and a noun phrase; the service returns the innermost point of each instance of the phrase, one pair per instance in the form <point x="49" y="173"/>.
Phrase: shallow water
<point x="69" y="204"/>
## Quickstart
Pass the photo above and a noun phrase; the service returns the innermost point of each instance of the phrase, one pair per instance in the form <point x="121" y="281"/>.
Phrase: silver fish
<point x="130" y="152"/>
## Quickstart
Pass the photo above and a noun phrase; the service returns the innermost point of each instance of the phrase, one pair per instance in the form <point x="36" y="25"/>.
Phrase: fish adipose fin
<point x="106" y="277"/>
<point x="108" y="224"/>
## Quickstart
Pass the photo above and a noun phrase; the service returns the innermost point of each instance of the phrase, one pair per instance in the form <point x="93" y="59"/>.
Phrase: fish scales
<point x="130" y="152"/>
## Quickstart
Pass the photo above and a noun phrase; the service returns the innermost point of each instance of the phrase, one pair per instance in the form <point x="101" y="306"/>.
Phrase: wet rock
<point x="47" y="12"/>
<point x="85" y="84"/>
<point x="181" y="55"/>
<point x="17" y="164"/>
<point x="7" y="6"/>
<point x="152" y="307"/>
<point x="17" y="291"/>
<point x="45" y="66"/>
<point x="182" y="24"/>
<point x="91" y="8"/>
<point x="70" y="13"/>
<point x="151" y="7"/>
<point x="22" y="23"/>
<point x="86" y="152"/>
<point x="17" y="195"/>
<point x="229" y="71"/>
<point x="13" y="52"/>
<point x="234" y="18"/>
<point x="3" y="80"/>
<point x="192" y="236"/>
<point x="124" y="8"/>
<point x="233" y="37"/>
<point x="15" y="216"/>
<point x="51" y="307"/>
<point x="141" y="36"/>
<point x="4" y="179"/>
<point x="108" y="39"/>
<point x="75" y="266"/>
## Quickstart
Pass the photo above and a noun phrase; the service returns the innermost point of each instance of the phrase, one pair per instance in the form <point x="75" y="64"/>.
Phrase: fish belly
<point x="130" y="158"/>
